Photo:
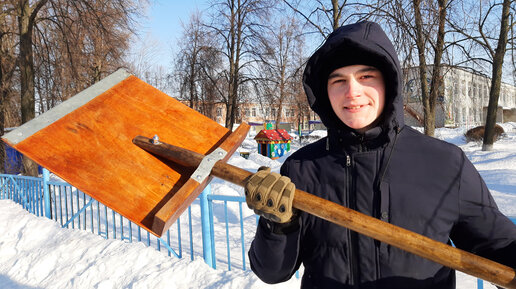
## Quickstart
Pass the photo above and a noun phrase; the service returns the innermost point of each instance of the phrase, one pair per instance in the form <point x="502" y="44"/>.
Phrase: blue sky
<point x="163" y="21"/>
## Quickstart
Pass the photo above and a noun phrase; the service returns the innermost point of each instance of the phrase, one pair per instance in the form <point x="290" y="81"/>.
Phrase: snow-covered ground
<point x="36" y="252"/>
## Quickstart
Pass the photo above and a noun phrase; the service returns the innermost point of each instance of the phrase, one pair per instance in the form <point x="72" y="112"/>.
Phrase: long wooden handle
<point x="420" y="245"/>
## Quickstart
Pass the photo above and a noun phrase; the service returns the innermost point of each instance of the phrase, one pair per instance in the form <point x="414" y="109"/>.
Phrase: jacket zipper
<point x="352" y="239"/>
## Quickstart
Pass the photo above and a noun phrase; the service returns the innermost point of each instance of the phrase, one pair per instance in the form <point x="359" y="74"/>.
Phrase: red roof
<point x="273" y="135"/>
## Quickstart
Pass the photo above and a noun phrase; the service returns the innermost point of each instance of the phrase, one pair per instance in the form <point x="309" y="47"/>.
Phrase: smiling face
<point x="357" y="95"/>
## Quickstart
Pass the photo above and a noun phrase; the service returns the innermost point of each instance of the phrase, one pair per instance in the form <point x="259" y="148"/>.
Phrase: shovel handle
<point x="409" y="241"/>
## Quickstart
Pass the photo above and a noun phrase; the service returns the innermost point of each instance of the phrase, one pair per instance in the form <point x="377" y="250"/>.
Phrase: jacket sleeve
<point x="274" y="252"/>
<point x="482" y="229"/>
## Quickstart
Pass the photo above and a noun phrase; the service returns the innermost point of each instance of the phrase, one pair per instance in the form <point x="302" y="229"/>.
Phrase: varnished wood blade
<point x="87" y="141"/>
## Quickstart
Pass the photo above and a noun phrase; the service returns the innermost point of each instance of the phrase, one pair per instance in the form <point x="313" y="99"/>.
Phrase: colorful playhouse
<point x="273" y="143"/>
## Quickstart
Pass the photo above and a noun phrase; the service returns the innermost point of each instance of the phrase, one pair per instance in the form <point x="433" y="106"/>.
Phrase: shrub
<point x="477" y="133"/>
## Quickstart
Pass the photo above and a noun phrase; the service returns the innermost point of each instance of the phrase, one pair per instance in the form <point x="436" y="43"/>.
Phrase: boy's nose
<point x="354" y="88"/>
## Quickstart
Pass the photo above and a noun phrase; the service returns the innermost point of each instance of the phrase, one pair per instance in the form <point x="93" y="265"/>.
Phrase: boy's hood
<point x="360" y="43"/>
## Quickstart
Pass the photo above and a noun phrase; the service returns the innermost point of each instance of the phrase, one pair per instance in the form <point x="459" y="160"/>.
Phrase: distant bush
<point x="477" y="133"/>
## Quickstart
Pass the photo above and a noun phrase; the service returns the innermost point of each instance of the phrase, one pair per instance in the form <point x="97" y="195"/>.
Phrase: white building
<point x="463" y="98"/>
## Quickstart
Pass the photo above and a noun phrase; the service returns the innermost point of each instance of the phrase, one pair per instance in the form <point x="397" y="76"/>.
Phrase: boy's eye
<point x="337" y="80"/>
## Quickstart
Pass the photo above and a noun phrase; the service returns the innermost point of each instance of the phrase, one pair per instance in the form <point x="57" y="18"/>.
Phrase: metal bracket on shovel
<point x="203" y="170"/>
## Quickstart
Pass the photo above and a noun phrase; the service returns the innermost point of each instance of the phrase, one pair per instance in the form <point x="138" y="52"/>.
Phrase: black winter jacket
<point x="391" y="172"/>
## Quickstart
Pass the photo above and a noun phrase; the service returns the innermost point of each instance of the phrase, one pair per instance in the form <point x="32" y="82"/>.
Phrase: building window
<point x="253" y="112"/>
<point x="246" y="112"/>
<point x="219" y="111"/>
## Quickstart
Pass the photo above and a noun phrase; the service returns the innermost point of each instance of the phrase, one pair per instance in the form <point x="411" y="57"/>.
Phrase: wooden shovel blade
<point x="409" y="241"/>
<point x="86" y="141"/>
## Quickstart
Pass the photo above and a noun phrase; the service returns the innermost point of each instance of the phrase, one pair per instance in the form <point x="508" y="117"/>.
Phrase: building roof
<point x="273" y="135"/>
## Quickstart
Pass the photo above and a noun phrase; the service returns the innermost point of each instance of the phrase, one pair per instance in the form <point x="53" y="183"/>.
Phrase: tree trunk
<point x="234" y="70"/>
<point x="496" y="79"/>
<point x="3" y="98"/>
<point x="26" y="64"/>
<point x="26" y="21"/>
<point x="429" y="94"/>
<point x="336" y="14"/>
<point x="429" y="116"/>
<point x="234" y="103"/>
<point x="282" y="93"/>
<point x="3" y="88"/>
<point x="436" y="71"/>
<point x="191" y="83"/>
<point x="97" y="74"/>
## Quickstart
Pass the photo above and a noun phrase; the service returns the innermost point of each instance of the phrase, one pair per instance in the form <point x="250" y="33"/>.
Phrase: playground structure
<point x="273" y="143"/>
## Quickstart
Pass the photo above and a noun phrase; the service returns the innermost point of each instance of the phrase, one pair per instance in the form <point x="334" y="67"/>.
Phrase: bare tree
<point x="236" y="24"/>
<point x="197" y="67"/>
<point x="277" y="65"/>
<point x="188" y="60"/>
<point x="323" y="17"/>
<point x="303" y="110"/>
<point x="484" y="32"/>
<point x="26" y="14"/>
<point x="80" y="42"/>
<point x="77" y="42"/>
<point x="429" y="95"/>
<point x="144" y="61"/>
<point x="498" y="56"/>
<point x="211" y="80"/>
<point x="7" y="72"/>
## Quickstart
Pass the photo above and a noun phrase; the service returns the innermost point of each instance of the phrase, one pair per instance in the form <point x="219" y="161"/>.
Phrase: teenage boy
<point x="370" y="162"/>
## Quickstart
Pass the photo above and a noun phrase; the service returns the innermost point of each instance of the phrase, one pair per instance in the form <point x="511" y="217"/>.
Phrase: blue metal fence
<point x="72" y="208"/>
<point x="218" y="217"/>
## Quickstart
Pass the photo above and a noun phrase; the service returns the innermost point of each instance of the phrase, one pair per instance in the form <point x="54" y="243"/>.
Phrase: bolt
<point x="155" y="139"/>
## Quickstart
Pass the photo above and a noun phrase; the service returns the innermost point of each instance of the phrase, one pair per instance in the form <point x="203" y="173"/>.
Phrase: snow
<point x="36" y="252"/>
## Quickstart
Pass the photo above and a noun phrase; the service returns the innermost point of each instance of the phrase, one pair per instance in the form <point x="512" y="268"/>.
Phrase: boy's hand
<point x="270" y="195"/>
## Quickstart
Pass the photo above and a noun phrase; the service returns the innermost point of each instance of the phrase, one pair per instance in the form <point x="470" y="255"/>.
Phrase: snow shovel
<point x="420" y="245"/>
<point x="86" y="141"/>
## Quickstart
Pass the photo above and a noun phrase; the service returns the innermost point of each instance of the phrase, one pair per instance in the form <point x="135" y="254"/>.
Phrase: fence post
<point x="205" y="226"/>
<point x="46" y="193"/>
